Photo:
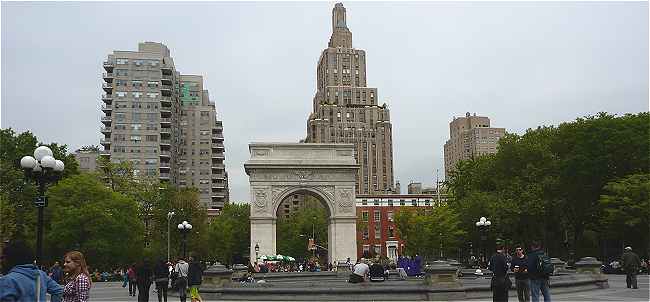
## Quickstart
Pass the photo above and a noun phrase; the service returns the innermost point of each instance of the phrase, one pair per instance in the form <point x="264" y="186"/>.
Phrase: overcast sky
<point x="522" y="64"/>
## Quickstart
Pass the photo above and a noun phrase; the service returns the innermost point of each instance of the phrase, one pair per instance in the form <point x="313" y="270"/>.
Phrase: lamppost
<point x="169" y="218"/>
<point x="257" y="252"/>
<point x="184" y="228"/>
<point x="483" y="226"/>
<point x="42" y="168"/>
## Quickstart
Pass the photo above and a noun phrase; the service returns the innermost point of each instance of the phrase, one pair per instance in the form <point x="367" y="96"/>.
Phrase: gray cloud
<point x="521" y="64"/>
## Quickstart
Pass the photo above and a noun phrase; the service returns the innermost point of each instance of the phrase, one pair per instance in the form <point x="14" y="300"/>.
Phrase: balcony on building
<point x="166" y="90"/>
<point x="165" y="165"/>
<point x="166" y="112"/>
<point x="218" y="147"/>
<point x="106" y="130"/>
<point x="165" y="153"/>
<point x="218" y="186"/>
<point x="106" y="152"/>
<point x="107" y="98"/>
<point x="218" y="176"/>
<point x="218" y="125"/>
<point x="108" y="87"/>
<point x="165" y="122"/>
<point x="106" y="120"/>
<point x="218" y="137"/>
<point x="166" y="79"/>
<point x="166" y="69"/>
<point x="108" y="65"/>
<point x="166" y="101"/>
<point x="164" y="175"/>
<point x="165" y="142"/>
<point x="165" y="132"/>
<point x="108" y="77"/>
<point x="105" y="141"/>
<point x="218" y="156"/>
<point x="218" y="166"/>
<point x="107" y="108"/>
<point x="218" y="196"/>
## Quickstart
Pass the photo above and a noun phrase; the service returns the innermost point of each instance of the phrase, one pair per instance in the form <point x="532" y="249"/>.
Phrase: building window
<point x="377" y="249"/>
<point x="377" y="231"/>
<point x="390" y="216"/>
<point x="377" y="215"/>
<point x="391" y="231"/>
<point x="364" y="216"/>
<point x="365" y="236"/>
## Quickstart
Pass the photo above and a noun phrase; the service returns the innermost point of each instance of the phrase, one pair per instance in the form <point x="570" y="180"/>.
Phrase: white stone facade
<point x="278" y="170"/>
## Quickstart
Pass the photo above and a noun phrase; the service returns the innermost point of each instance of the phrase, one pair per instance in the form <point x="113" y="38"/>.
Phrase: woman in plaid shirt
<point x="77" y="287"/>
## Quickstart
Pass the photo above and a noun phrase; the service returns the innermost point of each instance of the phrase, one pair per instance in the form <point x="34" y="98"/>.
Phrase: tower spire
<point x="341" y="35"/>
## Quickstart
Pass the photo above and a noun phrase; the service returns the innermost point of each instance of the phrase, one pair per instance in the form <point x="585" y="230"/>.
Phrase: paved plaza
<point x="113" y="291"/>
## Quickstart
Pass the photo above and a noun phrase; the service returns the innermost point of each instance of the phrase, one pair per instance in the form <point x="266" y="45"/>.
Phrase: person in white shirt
<point x="181" y="282"/>
<point x="361" y="269"/>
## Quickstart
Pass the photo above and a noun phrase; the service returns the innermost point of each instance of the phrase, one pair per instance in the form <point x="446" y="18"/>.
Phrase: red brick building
<point x="376" y="229"/>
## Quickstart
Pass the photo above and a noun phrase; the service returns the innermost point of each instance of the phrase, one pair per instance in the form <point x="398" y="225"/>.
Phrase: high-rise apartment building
<point x="469" y="137"/>
<point x="345" y="110"/>
<point x="144" y="103"/>
<point x="201" y="149"/>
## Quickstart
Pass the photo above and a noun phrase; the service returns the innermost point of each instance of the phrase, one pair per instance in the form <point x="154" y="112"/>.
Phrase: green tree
<point x="293" y="233"/>
<point x="229" y="234"/>
<point x="430" y="232"/>
<point x="87" y="216"/>
<point x="626" y="209"/>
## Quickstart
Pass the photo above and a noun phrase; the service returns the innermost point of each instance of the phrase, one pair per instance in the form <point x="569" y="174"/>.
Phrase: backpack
<point x="544" y="265"/>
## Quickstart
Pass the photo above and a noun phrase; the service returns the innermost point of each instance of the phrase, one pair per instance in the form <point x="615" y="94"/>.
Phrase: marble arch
<point x="327" y="171"/>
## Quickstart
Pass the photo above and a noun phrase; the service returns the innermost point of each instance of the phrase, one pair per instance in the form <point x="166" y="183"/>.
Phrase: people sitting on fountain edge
<point x="360" y="272"/>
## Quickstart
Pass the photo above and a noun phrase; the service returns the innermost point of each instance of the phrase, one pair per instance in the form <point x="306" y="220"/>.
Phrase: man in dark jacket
<point x="520" y="268"/>
<point x="499" y="269"/>
<point x="631" y="263"/>
<point x="194" y="279"/>
<point x="144" y="278"/>
<point x="538" y="280"/>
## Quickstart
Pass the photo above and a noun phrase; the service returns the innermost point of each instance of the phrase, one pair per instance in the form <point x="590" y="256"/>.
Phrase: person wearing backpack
<point x="538" y="271"/>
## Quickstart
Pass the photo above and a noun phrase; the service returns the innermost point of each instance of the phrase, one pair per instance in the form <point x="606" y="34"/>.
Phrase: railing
<point x="165" y="120"/>
<point x="165" y="153"/>
<point x="105" y="107"/>
<point x="107" y="74"/>
<point x="164" y="175"/>
<point x="104" y="141"/>
<point x="218" y="166"/>
<point x="165" y="141"/>
<point x="165" y="165"/>
<point x="107" y="85"/>
<point x="107" y="97"/>
<point x="107" y="118"/>
<point x="105" y="129"/>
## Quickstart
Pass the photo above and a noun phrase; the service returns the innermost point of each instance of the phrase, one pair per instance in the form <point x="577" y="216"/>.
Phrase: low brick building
<point x="376" y="230"/>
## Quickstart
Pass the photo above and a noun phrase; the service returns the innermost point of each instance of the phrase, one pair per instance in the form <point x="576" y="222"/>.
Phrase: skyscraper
<point x="144" y="103"/>
<point x="470" y="137"/>
<point x="345" y="110"/>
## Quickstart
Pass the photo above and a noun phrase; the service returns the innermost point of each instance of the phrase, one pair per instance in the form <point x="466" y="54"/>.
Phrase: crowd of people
<point x="23" y="280"/>
<point x="532" y="272"/>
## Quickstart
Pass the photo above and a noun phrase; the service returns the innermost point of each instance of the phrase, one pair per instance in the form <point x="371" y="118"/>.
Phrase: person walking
<point x="143" y="276"/>
<point x="538" y="280"/>
<point x="194" y="279"/>
<point x="181" y="268"/>
<point x="77" y="278"/>
<point x="631" y="264"/>
<point x="520" y="268"/>
<point x="133" y="287"/>
<point x="22" y="280"/>
<point x="500" y="282"/>
<point x="161" y="273"/>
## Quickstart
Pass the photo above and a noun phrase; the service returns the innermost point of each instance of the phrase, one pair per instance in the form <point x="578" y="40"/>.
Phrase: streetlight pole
<point x="257" y="252"/>
<point x="41" y="166"/>
<point x="169" y="218"/>
<point x="483" y="226"/>
<point x="184" y="228"/>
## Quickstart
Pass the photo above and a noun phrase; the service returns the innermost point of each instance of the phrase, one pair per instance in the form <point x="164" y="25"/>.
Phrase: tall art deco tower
<point x="345" y="110"/>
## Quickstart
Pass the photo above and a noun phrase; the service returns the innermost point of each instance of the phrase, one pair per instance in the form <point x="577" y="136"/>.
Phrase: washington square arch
<point x="326" y="171"/>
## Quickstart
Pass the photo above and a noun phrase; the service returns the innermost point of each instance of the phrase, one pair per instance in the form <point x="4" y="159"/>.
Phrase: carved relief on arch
<point x="345" y="200"/>
<point x="260" y="199"/>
